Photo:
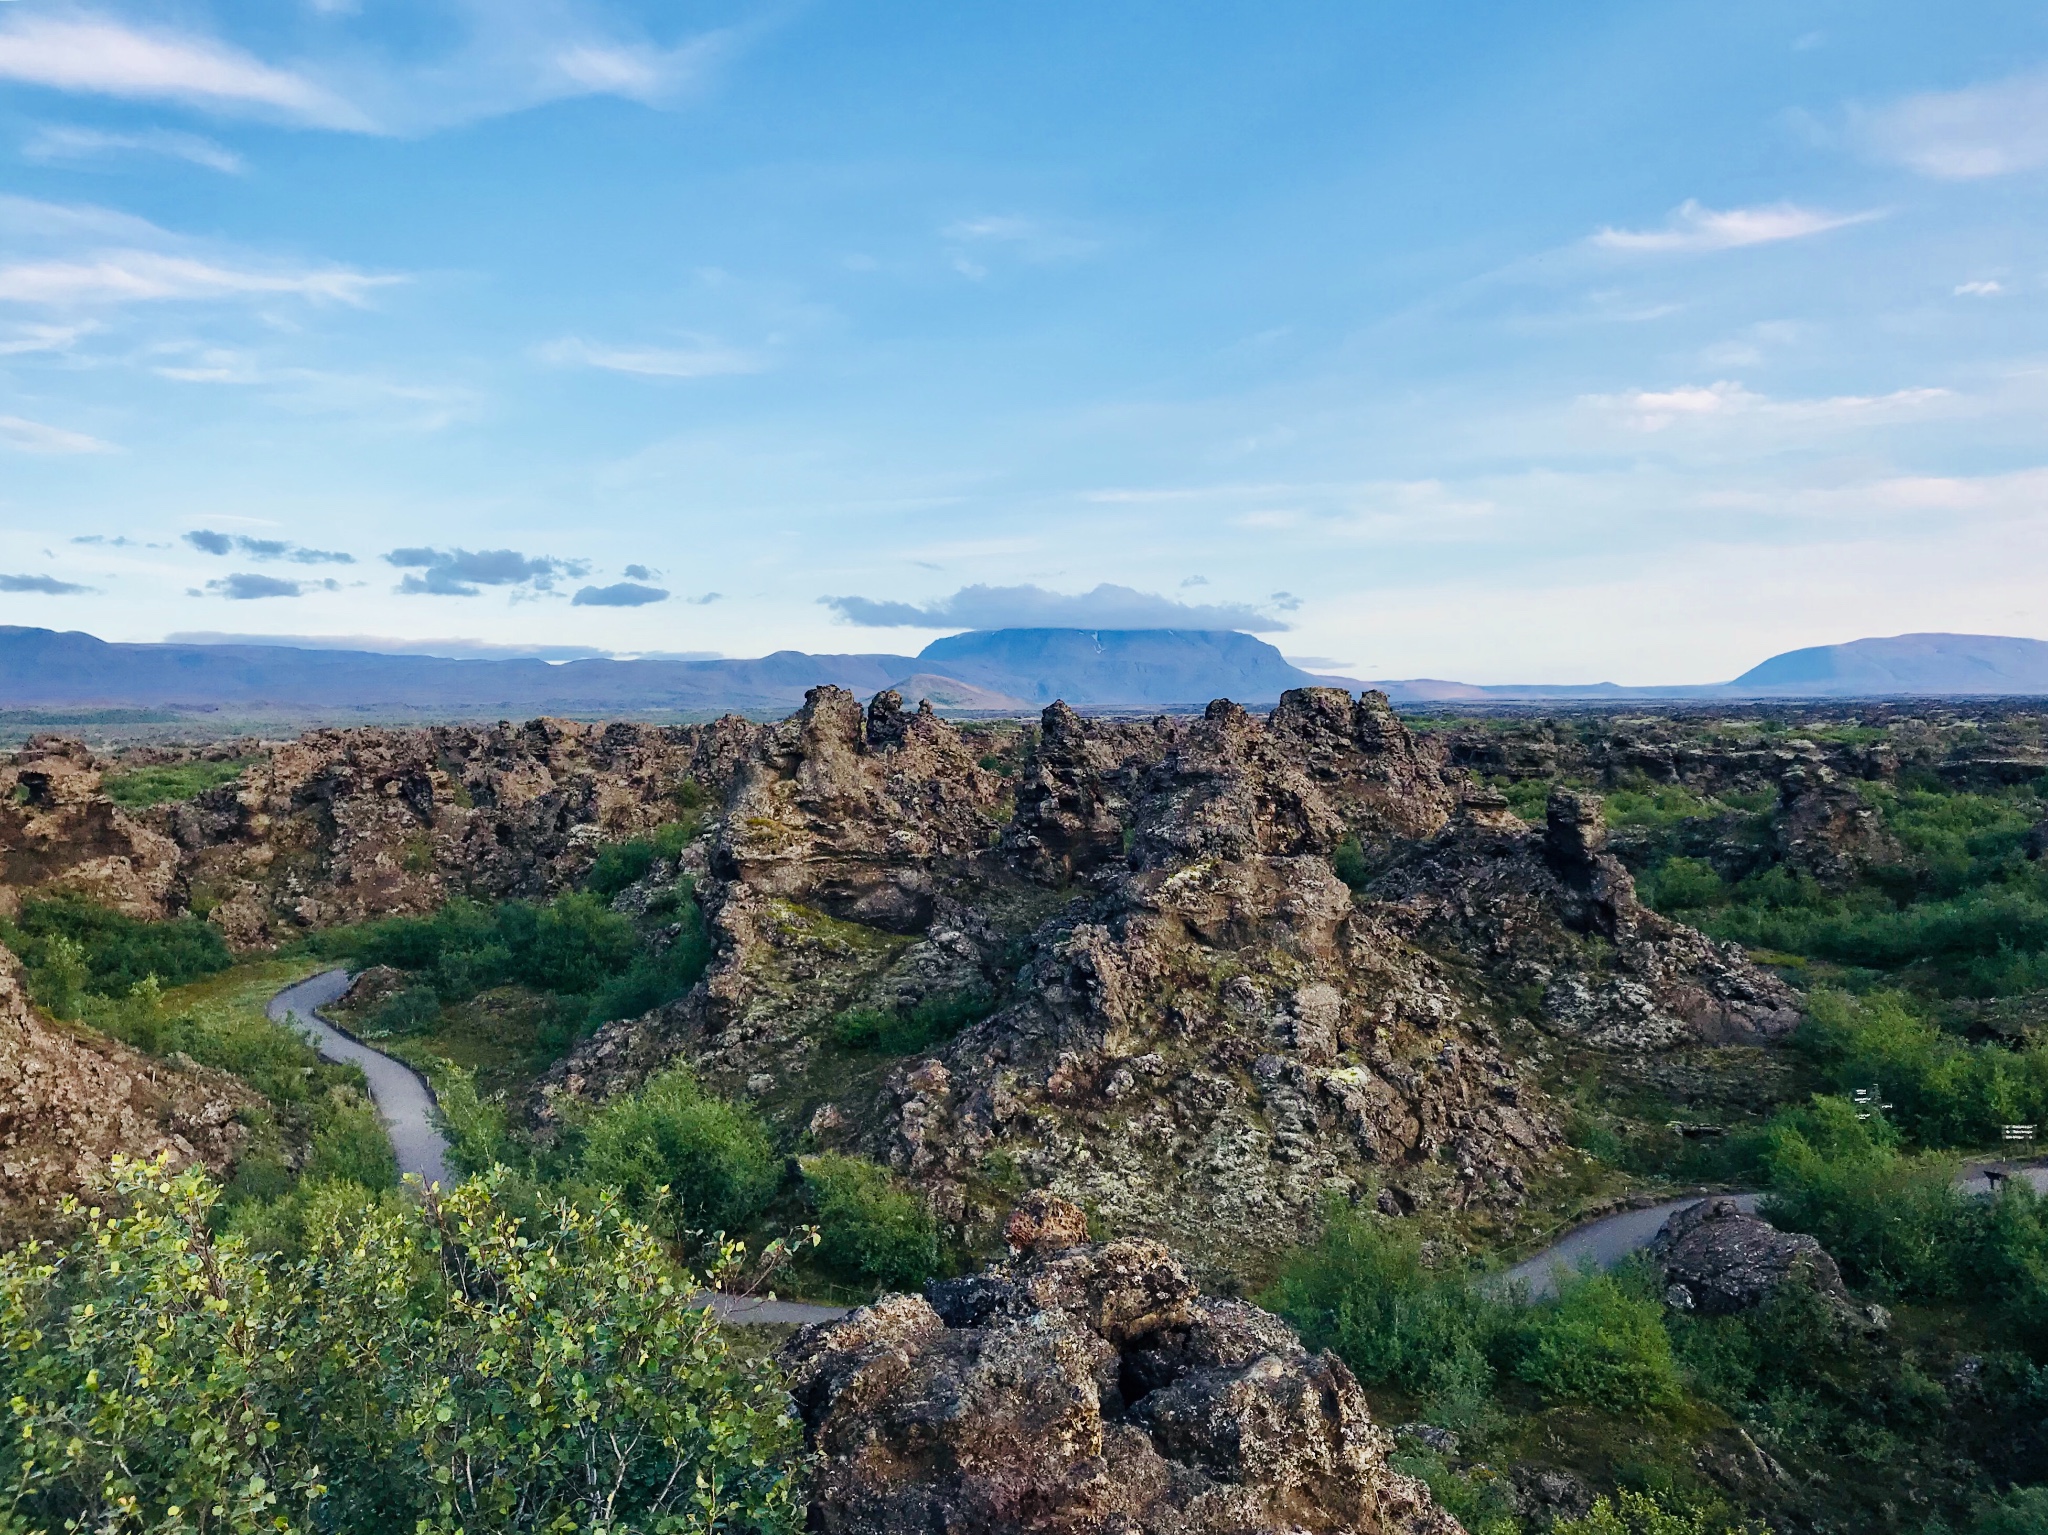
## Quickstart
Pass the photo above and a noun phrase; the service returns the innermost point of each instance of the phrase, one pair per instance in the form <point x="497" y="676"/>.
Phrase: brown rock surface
<point x="70" y="1100"/>
<point x="59" y="833"/>
<point x="1088" y="1388"/>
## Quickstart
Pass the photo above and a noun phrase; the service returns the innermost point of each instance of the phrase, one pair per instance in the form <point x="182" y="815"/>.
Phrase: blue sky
<point x="1500" y="342"/>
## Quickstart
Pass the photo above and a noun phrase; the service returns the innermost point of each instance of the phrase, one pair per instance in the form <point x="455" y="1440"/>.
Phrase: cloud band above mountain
<point x="1033" y="607"/>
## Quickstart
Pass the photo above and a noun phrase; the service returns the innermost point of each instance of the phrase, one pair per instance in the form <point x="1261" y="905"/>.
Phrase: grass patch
<point x="162" y="783"/>
<point x="931" y="1022"/>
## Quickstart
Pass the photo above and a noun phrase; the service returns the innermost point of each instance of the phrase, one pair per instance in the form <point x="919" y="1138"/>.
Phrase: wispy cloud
<point x="502" y="56"/>
<point x="1033" y="607"/>
<point x="1653" y="410"/>
<point x="49" y="586"/>
<point x="102" y="56"/>
<point x="78" y="255"/>
<point x="20" y="340"/>
<point x="1988" y="288"/>
<point x="972" y="243"/>
<point x="209" y="541"/>
<point x="26" y="436"/>
<point x="699" y="358"/>
<point x="1992" y="129"/>
<point x="1694" y="227"/>
<point x="59" y="144"/>
<point x="134" y="276"/>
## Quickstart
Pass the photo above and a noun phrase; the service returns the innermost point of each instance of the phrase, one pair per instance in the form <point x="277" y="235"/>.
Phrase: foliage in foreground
<point x="433" y="1368"/>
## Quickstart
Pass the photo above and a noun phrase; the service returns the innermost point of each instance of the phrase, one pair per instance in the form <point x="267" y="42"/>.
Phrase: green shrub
<point x="1636" y="1513"/>
<point x="1362" y="1291"/>
<point x="1943" y="1091"/>
<point x="1349" y="863"/>
<point x="70" y="946"/>
<point x="933" y="1021"/>
<point x="352" y="1146"/>
<point x="713" y="1157"/>
<point x="418" y="1367"/>
<point x="1682" y="884"/>
<point x="1601" y="1342"/>
<point x="405" y="1012"/>
<point x="619" y="864"/>
<point x="2023" y="1511"/>
<point x="573" y="947"/>
<point x="872" y="1230"/>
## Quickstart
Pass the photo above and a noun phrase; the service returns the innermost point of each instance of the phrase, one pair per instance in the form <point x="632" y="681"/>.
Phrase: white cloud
<point x="701" y="359"/>
<point x="971" y="242"/>
<point x="35" y="437"/>
<point x="1993" y="129"/>
<point x="58" y="143"/>
<point x="508" y="55"/>
<point x="58" y="254"/>
<point x="1652" y="410"/>
<point x="1985" y="289"/>
<point x="24" y="339"/>
<point x="132" y="276"/>
<point x="1697" y="228"/>
<point x="101" y="56"/>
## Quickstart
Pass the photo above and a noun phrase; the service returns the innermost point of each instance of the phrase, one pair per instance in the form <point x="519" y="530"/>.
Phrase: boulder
<point x="1718" y="1260"/>
<point x="1087" y="1387"/>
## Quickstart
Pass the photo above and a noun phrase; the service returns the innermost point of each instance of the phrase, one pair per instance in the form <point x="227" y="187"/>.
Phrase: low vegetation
<point x="428" y="1366"/>
<point x="139" y="788"/>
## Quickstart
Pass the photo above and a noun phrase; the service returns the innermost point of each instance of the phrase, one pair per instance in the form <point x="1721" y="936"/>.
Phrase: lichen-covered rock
<point x="1719" y="1260"/>
<point x="1555" y="911"/>
<point x="71" y="1100"/>
<point x="1088" y="1388"/>
<point x="59" y="833"/>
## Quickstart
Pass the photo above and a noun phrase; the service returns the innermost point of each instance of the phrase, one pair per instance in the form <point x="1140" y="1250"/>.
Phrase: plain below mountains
<point x="990" y="671"/>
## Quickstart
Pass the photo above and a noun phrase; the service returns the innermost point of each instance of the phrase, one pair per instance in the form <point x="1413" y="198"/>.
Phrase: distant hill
<point x="1927" y="664"/>
<point x="1120" y="668"/>
<point x="987" y="671"/>
<point x="40" y="668"/>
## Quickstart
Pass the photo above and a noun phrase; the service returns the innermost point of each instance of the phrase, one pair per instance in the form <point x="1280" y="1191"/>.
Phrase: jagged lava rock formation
<point x="58" y="832"/>
<point x="71" y="1100"/>
<point x="1203" y="1033"/>
<point x="1087" y="1387"/>
<point x="1193" y="1026"/>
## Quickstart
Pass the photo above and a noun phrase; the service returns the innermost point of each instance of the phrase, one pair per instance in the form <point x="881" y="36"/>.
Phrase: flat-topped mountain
<point x="1925" y="664"/>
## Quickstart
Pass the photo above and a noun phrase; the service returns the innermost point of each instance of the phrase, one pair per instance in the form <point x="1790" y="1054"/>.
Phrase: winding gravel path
<point x="406" y="1105"/>
<point x="403" y="1099"/>
<point x="1605" y="1242"/>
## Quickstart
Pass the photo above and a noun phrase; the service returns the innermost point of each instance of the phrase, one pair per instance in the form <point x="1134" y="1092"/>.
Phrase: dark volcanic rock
<point x="1718" y="1260"/>
<point x="1088" y="1388"/>
<point x="1554" y="911"/>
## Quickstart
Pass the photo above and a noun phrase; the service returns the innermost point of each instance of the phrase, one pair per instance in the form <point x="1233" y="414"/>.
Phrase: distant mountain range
<point x="986" y="671"/>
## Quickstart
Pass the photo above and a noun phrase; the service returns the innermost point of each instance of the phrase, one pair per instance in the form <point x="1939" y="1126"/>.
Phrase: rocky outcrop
<point x="59" y="833"/>
<point x="71" y="1100"/>
<point x="1087" y="1387"/>
<point x="1717" y="1260"/>
<point x="1826" y="828"/>
<point x="1556" y="914"/>
<point x="341" y="825"/>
